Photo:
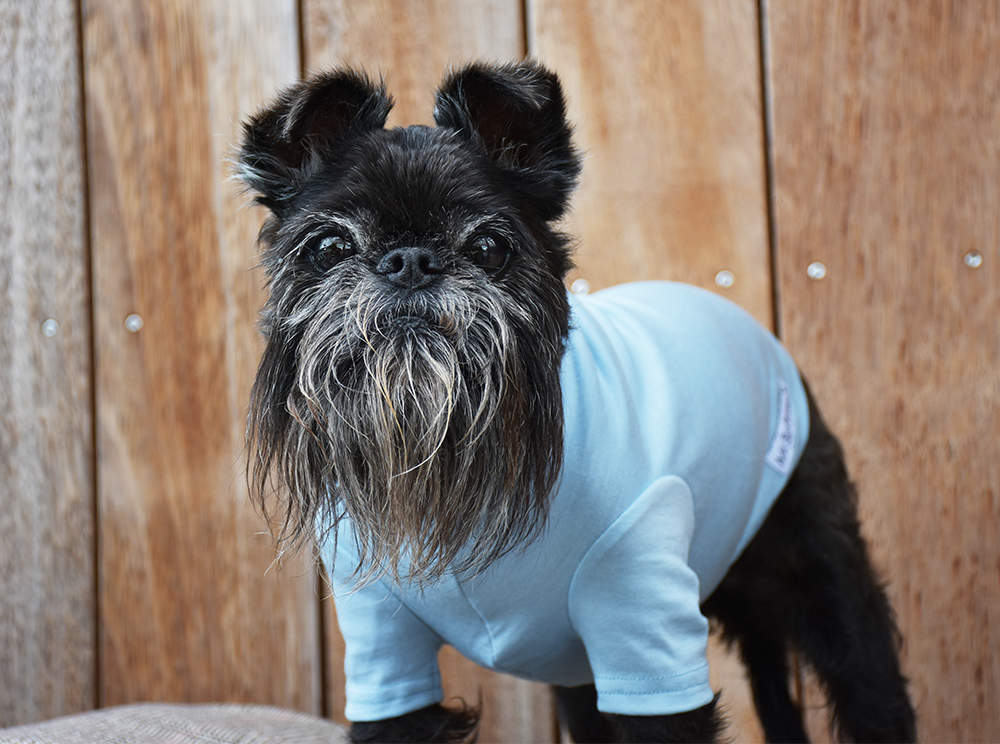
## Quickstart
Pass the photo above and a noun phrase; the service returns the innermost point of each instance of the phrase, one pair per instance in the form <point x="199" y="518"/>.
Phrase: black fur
<point x="517" y="115"/>
<point x="311" y="121"/>
<point x="407" y="207"/>
<point x="700" y="724"/>
<point x="434" y="723"/>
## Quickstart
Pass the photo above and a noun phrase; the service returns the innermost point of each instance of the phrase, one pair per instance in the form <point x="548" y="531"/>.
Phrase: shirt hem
<point x="419" y="695"/>
<point x="654" y="703"/>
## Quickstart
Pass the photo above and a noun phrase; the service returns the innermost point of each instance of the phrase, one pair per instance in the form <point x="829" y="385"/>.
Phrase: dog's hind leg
<point x="767" y="665"/>
<point x="844" y="627"/>
<point x="756" y="623"/>
<point x="806" y="581"/>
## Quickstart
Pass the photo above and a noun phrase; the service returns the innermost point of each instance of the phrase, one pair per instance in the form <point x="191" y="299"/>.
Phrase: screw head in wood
<point x="50" y="327"/>
<point x="816" y="270"/>
<point x="973" y="259"/>
<point x="133" y="323"/>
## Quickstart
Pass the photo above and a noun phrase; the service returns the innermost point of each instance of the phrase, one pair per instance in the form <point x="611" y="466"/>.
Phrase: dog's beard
<point x="433" y="423"/>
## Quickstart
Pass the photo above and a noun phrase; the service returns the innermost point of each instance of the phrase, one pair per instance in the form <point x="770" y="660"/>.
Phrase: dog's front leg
<point x="435" y="723"/>
<point x="700" y="725"/>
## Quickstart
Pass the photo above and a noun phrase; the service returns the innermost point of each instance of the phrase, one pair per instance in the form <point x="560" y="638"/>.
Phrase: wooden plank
<point x="666" y="98"/>
<point x="886" y="153"/>
<point x="667" y="102"/>
<point x="188" y="613"/>
<point x="47" y="614"/>
<point x="413" y="45"/>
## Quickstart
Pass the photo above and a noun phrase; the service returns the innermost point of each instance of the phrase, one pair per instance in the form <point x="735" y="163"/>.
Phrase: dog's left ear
<point x="516" y="112"/>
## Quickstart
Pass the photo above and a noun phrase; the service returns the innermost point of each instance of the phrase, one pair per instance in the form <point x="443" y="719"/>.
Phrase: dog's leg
<point x="434" y="723"/>
<point x="577" y="709"/>
<point x="767" y="664"/>
<point x="847" y="630"/>
<point x="806" y="581"/>
<point x="700" y="725"/>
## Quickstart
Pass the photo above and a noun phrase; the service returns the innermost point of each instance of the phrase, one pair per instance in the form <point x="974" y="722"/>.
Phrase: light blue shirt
<point x="683" y="420"/>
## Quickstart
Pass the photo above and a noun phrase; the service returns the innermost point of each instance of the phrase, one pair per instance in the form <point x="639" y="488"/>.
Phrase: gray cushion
<point x="177" y="724"/>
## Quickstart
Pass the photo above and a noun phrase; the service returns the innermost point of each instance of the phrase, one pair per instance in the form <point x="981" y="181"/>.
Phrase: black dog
<point x="562" y="488"/>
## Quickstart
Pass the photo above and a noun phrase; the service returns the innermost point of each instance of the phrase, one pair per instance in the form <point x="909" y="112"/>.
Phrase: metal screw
<point x="973" y="259"/>
<point x="580" y="287"/>
<point x="816" y="270"/>
<point x="50" y="328"/>
<point x="133" y="323"/>
<point x="725" y="279"/>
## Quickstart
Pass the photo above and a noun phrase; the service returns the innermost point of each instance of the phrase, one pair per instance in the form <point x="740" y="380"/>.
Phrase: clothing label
<point x="781" y="455"/>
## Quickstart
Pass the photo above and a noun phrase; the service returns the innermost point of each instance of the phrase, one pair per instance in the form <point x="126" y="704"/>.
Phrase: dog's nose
<point x="410" y="267"/>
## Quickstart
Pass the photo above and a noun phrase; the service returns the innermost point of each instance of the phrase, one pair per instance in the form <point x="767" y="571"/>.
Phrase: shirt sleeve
<point x="634" y="602"/>
<point x="390" y="657"/>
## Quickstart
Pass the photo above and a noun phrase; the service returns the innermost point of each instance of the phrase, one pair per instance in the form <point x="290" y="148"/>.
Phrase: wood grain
<point x="334" y="693"/>
<point x="47" y="581"/>
<point x="666" y="98"/>
<point x="189" y="610"/>
<point x="412" y="45"/>
<point x="886" y="154"/>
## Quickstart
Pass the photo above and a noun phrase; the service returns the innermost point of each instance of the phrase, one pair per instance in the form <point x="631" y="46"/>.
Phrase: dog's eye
<point x="330" y="250"/>
<point x="489" y="254"/>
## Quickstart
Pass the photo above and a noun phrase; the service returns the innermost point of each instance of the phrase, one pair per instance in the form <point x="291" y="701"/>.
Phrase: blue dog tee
<point x="683" y="421"/>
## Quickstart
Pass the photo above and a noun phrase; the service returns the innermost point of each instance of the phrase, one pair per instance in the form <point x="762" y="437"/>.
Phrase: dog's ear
<point x="516" y="112"/>
<point x="284" y="144"/>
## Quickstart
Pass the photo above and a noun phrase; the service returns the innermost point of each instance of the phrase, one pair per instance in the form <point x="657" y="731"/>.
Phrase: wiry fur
<point x="415" y="325"/>
<point x="396" y="410"/>
<point x="384" y="404"/>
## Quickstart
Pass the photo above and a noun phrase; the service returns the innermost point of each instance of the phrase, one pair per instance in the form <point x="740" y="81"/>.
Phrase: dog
<point x="569" y="489"/>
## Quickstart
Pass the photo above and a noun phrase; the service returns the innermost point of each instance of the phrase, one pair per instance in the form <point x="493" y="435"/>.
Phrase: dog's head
<point x="416" y="314"/>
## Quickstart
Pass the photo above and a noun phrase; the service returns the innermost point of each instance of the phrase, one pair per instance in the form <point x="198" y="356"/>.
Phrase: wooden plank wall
<point x="753" y="138"/>
<point x="47" y="597"/>
<point x="185" y="612"/>
<point x="886" y="153"/>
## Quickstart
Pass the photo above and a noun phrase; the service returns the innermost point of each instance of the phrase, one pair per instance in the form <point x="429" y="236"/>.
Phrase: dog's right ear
<point x="284" y="144"/>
